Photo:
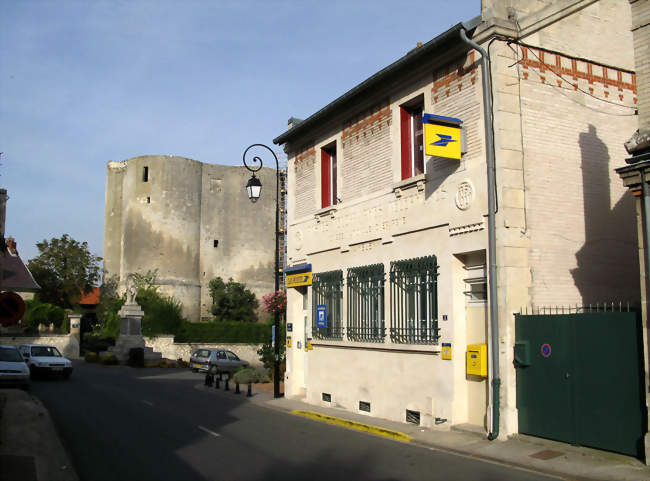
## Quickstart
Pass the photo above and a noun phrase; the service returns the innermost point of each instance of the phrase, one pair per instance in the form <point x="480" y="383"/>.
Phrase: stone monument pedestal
<point x="131" y="334"/>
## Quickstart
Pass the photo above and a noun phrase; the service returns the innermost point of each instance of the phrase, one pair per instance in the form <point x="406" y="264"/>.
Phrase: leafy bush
<point x="231" y="301"/>
<point x="136" y="357"/>
<point x="97" y="342"/>
<point x="109" y="359"/>
<point x="37" y="312"/>
<point x="266" y="353"/>
<point x="226" y="332"/>
<point x="181" y="363"/>
<point x="162" y="315"/>
<point x="250" y="375"/>
<point x="91" y="357"/>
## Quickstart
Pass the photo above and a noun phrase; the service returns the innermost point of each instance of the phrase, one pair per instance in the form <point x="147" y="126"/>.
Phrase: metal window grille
<point x="366" y="303"/>
<point x="414" y="301"/>
<point x="327" y="288"/>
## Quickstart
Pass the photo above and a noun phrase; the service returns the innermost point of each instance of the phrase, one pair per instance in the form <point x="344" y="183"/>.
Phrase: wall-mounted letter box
<point x="477" y="359"/>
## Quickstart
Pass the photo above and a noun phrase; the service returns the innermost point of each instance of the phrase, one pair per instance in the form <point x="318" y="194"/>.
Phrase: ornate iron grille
<point x="366" y="303"/>
<point x="327" y="288"/>
<point x="414" y="301"/>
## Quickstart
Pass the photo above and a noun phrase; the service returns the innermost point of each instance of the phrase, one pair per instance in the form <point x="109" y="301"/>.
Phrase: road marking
<point x="368" y="428"/>
<point x="148" y="403"/>
<point x="216" y="435"/>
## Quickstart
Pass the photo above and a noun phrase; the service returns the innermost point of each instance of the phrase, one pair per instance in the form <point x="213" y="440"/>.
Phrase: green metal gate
<point x="580" y="379"/>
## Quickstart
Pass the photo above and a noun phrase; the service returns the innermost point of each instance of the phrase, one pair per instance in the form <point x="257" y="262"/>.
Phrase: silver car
<point x="216" y="361"/>
<point x="13" y="370"/>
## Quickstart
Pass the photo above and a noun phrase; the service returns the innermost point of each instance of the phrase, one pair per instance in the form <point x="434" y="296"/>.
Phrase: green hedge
<point x="243" y="332"/>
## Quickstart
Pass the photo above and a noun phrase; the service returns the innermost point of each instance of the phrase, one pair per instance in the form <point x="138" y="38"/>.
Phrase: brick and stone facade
<point x="564" y="101"/>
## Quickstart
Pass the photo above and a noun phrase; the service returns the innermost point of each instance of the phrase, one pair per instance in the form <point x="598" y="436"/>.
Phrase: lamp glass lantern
<point x="254" y="188"/>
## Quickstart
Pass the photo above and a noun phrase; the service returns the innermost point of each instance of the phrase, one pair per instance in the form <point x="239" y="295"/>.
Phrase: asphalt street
<point x="120" y="423"/>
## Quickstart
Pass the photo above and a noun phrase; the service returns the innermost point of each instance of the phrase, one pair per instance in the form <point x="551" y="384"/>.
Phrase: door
<point x="580" y="379"/>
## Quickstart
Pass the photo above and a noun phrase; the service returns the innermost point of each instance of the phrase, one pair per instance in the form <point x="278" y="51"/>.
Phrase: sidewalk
<point x="545" y="456"/>
<point x="30" y="448"/>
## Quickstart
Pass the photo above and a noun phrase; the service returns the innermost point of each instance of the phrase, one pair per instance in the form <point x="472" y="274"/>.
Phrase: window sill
<point x="326" y="211"/>
<point x="416" y="181"/>
<point x="431" y="349"/>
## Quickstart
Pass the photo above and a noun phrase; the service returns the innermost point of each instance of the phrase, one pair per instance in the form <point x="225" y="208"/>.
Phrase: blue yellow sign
<point x="321" y="315"/>
<point x="297" y="280"/>
<point x="442" y="136"/>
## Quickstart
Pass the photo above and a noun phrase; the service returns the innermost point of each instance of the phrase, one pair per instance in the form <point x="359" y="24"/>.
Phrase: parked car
<point x="43" y="359"/>
<point x="13" y="370"/>
<point x="216" y="361"/>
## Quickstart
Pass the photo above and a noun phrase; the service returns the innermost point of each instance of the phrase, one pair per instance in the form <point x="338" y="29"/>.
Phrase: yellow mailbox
<point x="477" y="359"/>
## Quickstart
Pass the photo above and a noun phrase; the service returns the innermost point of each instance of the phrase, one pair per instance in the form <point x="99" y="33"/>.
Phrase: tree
<point x="231" y="301"/>
<point x="64" y="269"/>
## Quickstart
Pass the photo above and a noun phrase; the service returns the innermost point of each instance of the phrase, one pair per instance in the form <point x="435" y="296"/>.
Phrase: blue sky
<point x="85" y="82"/>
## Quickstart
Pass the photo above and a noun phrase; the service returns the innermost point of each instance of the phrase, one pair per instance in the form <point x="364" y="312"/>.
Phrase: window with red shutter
<point x="328" y="176"/>
<point x="412" y="140"/>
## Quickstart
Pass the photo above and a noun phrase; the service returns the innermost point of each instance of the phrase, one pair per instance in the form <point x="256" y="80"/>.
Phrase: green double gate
<point x="580" y="379"/>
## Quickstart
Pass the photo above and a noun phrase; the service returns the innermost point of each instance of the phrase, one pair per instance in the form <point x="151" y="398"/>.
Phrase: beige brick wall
<point x="67" y="344"/>
<point x="580" y="218"/>
<point x="365" y="163"/>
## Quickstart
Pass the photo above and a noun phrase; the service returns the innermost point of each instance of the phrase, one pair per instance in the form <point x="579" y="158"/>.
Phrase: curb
<point x="367" y="428"/>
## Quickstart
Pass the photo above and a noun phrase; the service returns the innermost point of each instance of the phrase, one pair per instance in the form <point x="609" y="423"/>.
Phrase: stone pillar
<point x="75" y="325"/>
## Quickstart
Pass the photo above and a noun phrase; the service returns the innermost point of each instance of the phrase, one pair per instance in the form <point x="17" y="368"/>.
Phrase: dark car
<point x="216" y="361"/>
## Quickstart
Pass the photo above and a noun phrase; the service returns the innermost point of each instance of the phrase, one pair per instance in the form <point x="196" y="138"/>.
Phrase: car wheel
<point x="195" y="370"/>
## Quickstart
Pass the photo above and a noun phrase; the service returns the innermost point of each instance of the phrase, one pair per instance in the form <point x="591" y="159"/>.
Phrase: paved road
<point x="120" y="423"/>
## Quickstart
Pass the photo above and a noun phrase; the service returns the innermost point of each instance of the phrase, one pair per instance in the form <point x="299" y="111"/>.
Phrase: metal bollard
<point x="237" y="391"/>
<point x="216" y="382"/>
<point x="249" y="393"/>
<point x="226" y="388"/>
<point x="208" y="379"/>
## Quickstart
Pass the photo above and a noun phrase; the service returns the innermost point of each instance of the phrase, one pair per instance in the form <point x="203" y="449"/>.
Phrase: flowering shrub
<point x="275" y="302"/>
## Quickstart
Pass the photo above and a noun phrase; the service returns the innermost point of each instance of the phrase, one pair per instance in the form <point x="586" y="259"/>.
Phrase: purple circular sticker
<point x="546" y="350"/>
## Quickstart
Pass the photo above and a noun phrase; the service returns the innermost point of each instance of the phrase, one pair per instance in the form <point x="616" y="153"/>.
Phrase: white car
<point x="45" y="360"/>
<point x="13" y="370"/>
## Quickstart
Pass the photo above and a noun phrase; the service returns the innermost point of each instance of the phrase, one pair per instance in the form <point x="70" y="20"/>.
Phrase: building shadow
<point x="608" y="263"/>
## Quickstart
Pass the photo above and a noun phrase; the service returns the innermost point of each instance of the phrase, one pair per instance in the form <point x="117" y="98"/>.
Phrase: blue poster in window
<point x="321" y="315"/>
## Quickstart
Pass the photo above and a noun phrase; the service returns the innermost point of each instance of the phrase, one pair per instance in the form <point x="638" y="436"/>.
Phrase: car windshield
<point x="10" y="355"/>
<point x="46" y="351"/>
<point x="202" y="353"/>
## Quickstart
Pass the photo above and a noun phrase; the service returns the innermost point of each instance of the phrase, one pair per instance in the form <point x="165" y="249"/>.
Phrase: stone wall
<point x="67" y="344"/>
<point x="183" y="350"/>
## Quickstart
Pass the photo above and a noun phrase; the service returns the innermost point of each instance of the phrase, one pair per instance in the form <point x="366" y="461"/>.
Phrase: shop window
<point x="327" y="289"/>
<point x="414" y="301"/>
<point x="366" y="303"/>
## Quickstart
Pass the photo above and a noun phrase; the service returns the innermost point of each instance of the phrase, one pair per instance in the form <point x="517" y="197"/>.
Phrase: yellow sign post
<point x="442" y="136"/>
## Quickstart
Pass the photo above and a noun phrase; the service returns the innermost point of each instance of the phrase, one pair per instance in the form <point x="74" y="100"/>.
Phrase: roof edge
<point x="411" y="56"/>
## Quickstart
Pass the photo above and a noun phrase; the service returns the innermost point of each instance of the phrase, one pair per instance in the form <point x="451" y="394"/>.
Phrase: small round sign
<point x="546" y="350"/>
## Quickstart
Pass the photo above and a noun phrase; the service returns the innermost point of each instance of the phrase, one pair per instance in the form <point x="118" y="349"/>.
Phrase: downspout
<point x="492" y="257"/>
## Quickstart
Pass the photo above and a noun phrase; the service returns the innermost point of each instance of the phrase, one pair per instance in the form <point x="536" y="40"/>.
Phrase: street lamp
<point x="253" y="189"/>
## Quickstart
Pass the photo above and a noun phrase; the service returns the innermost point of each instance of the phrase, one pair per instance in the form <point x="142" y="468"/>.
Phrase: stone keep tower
<point x="191" y="221"/>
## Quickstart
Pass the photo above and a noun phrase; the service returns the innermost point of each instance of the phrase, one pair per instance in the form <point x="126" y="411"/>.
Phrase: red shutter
<point x="333" y="162"/>
<point x="405" y="130"/>
<point x="325" y="181"/>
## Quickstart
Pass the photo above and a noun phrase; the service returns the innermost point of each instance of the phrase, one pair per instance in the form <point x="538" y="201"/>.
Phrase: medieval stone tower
<point x="191" y="221"/>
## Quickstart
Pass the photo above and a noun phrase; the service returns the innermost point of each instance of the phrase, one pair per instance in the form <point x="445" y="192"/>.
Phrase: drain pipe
<point x="492" y="257"/>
